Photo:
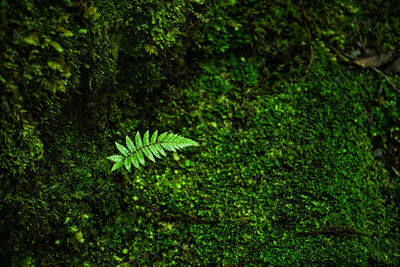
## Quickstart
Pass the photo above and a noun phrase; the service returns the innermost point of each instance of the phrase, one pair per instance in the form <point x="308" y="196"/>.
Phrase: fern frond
<point x="117" y="165"/>
<point x="130" y="145"/>
<point x="152" y="147"/>
<point x="123" y="150"/>
<point x="116" y="158"/>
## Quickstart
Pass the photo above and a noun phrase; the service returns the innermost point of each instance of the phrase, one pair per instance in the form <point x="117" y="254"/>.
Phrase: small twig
<point x="311" y="55"/>
<point x="105" y="256"/>
<point x="254" y="250"/>
<point x="328" y="231"/>
<point x="187" y="218"/>
<point x="180" y="109"/>
<point x="102" y="185"/>
<point x="90" y="84"/>
<point x="36" y="217"/>
<point x="241" y="74"/>
<point x="359" y="35"/>
<point x="311" y="52"/>
<point x="141" y="248"/>
<point x="305" y="18"/>
<point x="184" y="216"/>
<point x="387" y="79"/>
<point x="396" y="171"/>
<point x="342" y="56"/>
<point x="344" y="232"/>
<point x="244" y="95"/>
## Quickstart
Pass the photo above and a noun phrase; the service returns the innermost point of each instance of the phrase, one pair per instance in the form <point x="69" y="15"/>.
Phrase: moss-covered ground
<point x="295" y="167"/>
<point x="284" y="176"/>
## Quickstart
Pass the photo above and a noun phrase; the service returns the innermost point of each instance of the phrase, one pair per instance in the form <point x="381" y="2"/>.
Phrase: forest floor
<point x="285" y="175"/>
<point x="295" y="105"/>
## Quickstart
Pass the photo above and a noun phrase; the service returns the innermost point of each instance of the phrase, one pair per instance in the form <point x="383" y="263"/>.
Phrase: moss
<point x="297" y="163"/>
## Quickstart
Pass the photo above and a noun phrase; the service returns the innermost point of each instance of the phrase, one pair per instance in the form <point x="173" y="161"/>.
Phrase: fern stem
<point x="150" y="144"/>
<point x="103" y="184"/>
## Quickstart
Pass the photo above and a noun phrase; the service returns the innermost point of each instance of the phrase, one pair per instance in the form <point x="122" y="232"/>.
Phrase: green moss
<point x="296" y="164"/>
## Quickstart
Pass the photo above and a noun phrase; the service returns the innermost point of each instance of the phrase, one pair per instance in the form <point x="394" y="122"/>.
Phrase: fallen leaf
<point x="394" y="66"/>
<point x="374" y="60"/>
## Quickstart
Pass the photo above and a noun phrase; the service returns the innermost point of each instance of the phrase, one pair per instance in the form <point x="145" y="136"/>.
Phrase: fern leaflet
<point x="134" y="153"/>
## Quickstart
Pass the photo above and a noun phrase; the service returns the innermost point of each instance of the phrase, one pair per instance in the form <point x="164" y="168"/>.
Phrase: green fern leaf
<point x="161" y="137"/>
<point x="138" y="140"/>
<point x="135" y="161"/>
<point x="146" y="139"/>
<point x="152" y="147"/>
<point x="128" y="163"/>
<point x="154" y="137"/>
<point x="160" y="149"/>
<point x="148" y="154"/>
<point x="168" y="147"/>
<point x="117" y="165"/>
<point x="169" y="138"/>
<point x="140" y="157"/>
<point x="116" y="158"/>
<point x="130" y="145"/>
<point x="122" y="149"/>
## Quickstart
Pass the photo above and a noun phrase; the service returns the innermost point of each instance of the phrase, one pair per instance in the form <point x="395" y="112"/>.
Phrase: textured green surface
<point x="296" y="165"/>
